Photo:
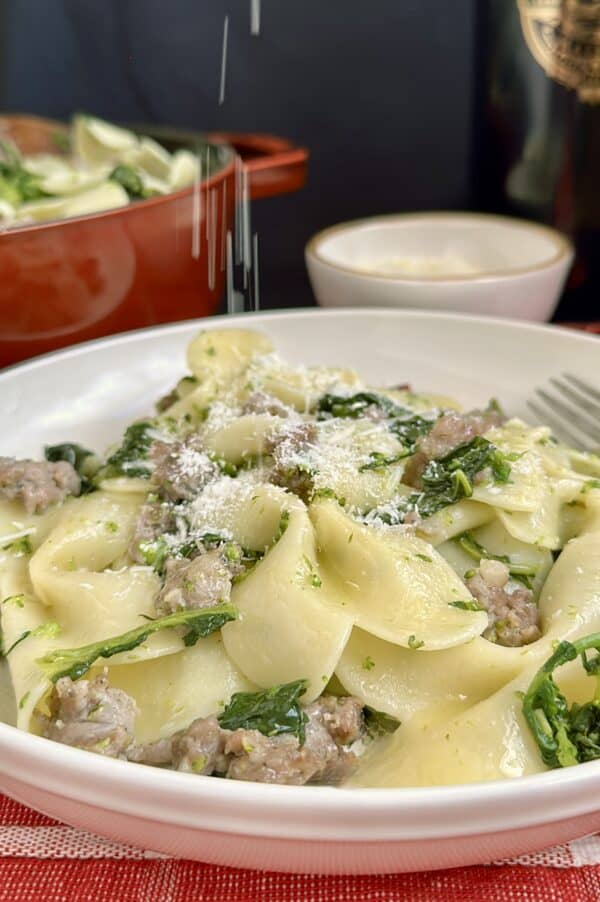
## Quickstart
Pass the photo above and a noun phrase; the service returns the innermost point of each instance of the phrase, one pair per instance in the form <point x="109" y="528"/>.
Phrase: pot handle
<point x="274" y="165"/>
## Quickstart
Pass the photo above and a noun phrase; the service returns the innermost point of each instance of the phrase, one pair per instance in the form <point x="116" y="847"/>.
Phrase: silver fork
<point x="574" y="413"/>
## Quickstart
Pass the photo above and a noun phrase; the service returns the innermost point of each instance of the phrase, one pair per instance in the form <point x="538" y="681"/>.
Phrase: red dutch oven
<point x="154" y="261"/>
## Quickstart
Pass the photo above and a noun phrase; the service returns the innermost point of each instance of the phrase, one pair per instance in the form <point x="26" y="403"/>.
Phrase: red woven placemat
<point x="41" y="859"/>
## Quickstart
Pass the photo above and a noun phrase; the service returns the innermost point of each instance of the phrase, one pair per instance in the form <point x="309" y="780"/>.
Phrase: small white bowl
<point x="471" y="262"/>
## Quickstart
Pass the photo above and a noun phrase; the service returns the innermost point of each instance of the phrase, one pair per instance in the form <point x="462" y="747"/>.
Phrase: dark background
<point x="382" y="93"/>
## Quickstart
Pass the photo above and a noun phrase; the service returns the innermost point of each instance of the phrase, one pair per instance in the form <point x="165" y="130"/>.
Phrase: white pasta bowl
<point x="88" y="393"/>
<point x="469" y="262"/>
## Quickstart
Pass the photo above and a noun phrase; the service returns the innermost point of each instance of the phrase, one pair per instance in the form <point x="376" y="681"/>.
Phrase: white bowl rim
<point x="403" y="812"/>
<point x="397" y="812"/>
<point x="564" y="247"/>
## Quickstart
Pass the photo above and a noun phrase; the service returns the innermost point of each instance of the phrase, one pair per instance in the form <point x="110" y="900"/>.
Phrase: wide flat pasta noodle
<point x="16" y="524"/>
<point x="71" y="574"/>
<point x="330" y="594"/>
<point x="104" y="196"/>
<point x="433" y="685"/>
<point x="300" y="387"/>
<point x="395" y="585"/>
<point x="243" y="438"/>
<point x="454" y="520"/>
<point x="344" y="447"/>
<point x="491" y="740"/>
<point x="172" y="691"/>
<point x="224" y="354"/>
<point x="96" y="141"/>
<point x="288" y="626"/>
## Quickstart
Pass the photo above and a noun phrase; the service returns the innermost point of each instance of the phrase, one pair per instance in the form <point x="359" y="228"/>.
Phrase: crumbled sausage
<point x="513" y="616"/>
<point x="261" y="402"/>
<point x="325" y="757"/>
<point x="88" y="714"/>
<point x="342" y="717"/>
<point x="333" y="724"/>
<point x="201" y="748"/>
<point x="449" y="431"/>
<point x="181" y="469"/>
<point x="289" y="449"/>
<point x="154" y="519"/>
<point x="201" y="582"/>
<point x="269" y="759"/>
<point x="155" y="754"/>
<point x="37" y="484"/>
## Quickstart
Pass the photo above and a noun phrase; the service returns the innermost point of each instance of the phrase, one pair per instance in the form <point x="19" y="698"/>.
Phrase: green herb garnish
<point x="20" y="546"/>
<point x="17" y="600"/>
<point x="75" y="662"/>
<point x="284" y="521"/>
<point x="415" y="643"/>
<point x="270" y="711"/>
<point x="45" y="631"/>
<point x="466" y="605"/>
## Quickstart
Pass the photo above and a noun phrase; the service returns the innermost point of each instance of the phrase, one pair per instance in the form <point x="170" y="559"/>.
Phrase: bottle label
<point x="564" y="38"/>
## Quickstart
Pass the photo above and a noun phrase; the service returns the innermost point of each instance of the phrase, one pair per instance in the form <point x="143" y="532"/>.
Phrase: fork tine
<point x="578" y="399"/>
<point x="573" y="418"/>
<point x="583" y="386"/>
<point x="558" y="426"/>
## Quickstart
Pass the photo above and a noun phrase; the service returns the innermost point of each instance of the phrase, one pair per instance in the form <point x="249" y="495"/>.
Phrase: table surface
<point x="42" y="859"/>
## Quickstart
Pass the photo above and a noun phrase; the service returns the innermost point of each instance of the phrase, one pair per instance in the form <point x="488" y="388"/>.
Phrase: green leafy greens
<point x="17" y="185"/>
<point x="80" y="459"/>
<point x="270" y="711"/>
<point x="565" y="735"/>
<point x="75" y="662"/>
<point x="357" y="405"/>
<point x="130" y="179"/>
<point x="410" y="430"/>
<point x="378" y="723"/>
<point x="449" y="479"/>
<point x="131" y="457"/>
<point x="407" y="426"/>
<point x="378" y="460"/>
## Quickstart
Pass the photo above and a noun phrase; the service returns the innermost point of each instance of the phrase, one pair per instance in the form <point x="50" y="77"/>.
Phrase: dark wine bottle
<point x="536" y="149"/>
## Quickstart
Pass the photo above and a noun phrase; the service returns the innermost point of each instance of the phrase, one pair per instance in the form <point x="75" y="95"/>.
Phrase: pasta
<point x="290" y="576"/>
<point x="106" y="167"/>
